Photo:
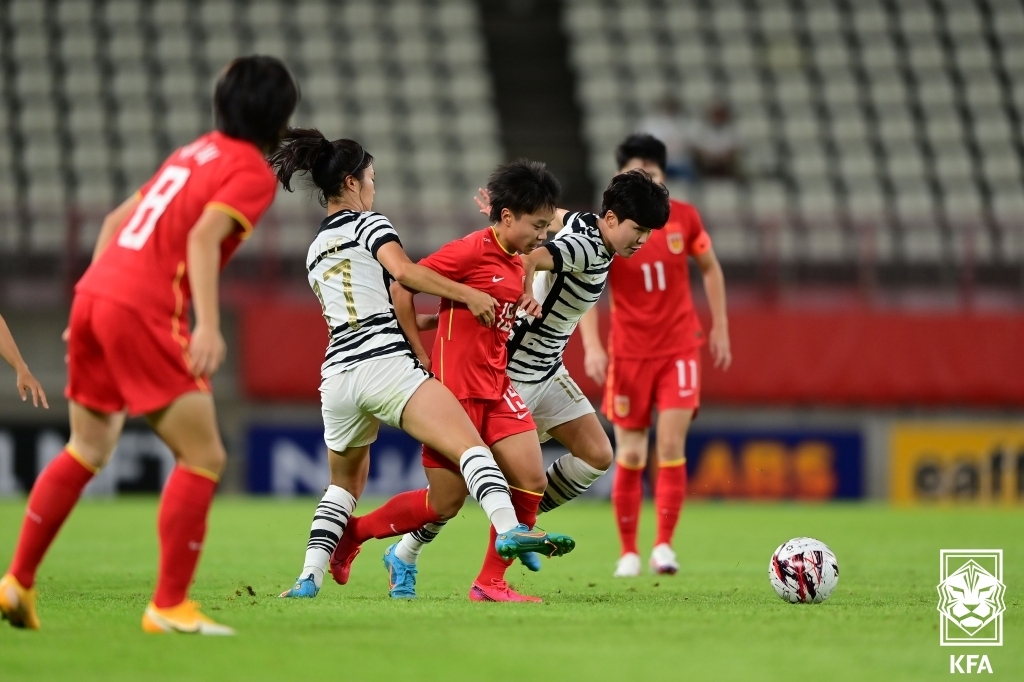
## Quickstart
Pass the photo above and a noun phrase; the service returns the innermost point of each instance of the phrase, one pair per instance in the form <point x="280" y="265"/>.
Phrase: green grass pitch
<point x="718" y="619"/>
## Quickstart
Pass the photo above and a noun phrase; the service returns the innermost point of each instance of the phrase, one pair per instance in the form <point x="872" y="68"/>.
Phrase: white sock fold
<point x="488" y="487"/>
<point x="409" y="547"/>
<point x="329" y="521"/>
<point x="568" y="478"/>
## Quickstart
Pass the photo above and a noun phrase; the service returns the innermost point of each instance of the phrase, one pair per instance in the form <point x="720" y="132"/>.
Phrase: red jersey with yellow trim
<point x="144" y="265"/>
<point x="652" y="311"/>
<point x="467" y="357"/>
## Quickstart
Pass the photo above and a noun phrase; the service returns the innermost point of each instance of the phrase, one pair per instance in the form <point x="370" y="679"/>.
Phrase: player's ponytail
<point x="306" y="150"/>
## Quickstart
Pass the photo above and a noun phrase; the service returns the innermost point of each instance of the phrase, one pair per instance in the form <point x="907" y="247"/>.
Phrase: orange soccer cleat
<point x="18" y="604"/>
<point x="185" y="617"/>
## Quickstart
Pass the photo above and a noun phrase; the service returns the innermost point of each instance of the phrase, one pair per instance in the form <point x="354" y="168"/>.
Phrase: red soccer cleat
<point x="498" y="590"/>
<point x="341" y="560"/>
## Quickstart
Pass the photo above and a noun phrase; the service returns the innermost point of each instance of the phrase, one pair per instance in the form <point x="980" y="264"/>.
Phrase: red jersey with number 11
<point x="144" y="265"/>
<point x="652" y="311"/>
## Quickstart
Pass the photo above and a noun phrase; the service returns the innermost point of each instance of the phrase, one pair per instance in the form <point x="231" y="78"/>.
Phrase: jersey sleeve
<point x="376" y="232"/>
<point x="453" y="260"/>
<point x="245" y="196"/>
<point x="572" y="252"/>
<point x="697" y="239"/>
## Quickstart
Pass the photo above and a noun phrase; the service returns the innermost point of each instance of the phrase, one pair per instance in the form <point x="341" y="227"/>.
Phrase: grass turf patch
<point x="717" y="617"/>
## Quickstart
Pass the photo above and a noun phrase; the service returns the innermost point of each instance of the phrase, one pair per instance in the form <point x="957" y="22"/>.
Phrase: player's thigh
<point x="189" y="427"/>
<point x="519" y="458"/>
<point x="350" y="468"/>
<point x="346" y="424"/>
<point x="630" y="394"/>
<point x="670" y="436"/>
<point x="94" y="434"/>
<point x="586" y="438"/>
<point x="631" y="447"/>
<point x="446" y="493"/>
<point x="91" y="383"/>
<point x="434" y="417"/>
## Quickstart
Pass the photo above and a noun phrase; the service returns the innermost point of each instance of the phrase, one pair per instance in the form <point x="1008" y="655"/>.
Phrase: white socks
<point x="568" y="478"/>
<point x="488" y="486"/>
<point x="409" y="547"/>
<point x="329" y="523"/>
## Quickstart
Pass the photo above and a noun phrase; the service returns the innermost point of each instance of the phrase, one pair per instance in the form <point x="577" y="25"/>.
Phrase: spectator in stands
<point x="715" y="144"/>
<point x="670" y="124"/>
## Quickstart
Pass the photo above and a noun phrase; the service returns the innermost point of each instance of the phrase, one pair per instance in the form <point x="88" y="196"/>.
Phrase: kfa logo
<point x="971" y="601"/>
<point x="972" y="663"/>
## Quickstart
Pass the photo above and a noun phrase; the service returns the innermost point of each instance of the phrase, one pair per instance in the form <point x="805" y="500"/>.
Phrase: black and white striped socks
<point x="329" y="523"/>
<point x="487" y="485"/>
<point x="408" y="549"/>
<point x="568" y="478"/>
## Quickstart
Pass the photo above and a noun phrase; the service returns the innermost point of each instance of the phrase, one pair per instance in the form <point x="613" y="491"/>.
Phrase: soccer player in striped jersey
<point x="575" y="266"/>
<point x="655" y="360"/>
<point x="370" y="373"/>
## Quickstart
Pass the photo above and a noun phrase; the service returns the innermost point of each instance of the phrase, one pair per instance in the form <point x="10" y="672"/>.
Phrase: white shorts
<point x="356" y="401"/>
<point x="554" y="402"/>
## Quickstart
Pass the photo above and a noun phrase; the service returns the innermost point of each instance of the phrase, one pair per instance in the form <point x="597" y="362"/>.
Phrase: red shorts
<point x="121" y="359"/>
<point x="494" y="419"/>
<point x="636" y="386"/>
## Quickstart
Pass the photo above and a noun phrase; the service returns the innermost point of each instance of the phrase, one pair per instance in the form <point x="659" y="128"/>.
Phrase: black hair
<point x="644" y="147"/>
<point x="634" y="196"/>
<point x="253" y="100"/>
<point x="306" y="150"/>
<point x="522" y="186"/>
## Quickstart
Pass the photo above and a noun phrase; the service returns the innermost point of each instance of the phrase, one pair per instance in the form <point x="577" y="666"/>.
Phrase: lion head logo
<point x="971" y="597"/>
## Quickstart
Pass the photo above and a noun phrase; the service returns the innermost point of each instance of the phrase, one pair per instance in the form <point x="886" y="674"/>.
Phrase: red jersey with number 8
<point x="144" y="265"/>
<point x="652" y="311"/>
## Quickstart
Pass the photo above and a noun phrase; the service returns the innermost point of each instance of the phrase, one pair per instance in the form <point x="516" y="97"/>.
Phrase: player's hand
<point x="482" y="306"/>
<point x="206" y="350"/>
<point x="483" y="201"/>
<point x="29" y="384"/>
<point x="595" y="364"/>
<point x="529" y="305"/>
<point x="424" y="360"/>
<point x="426" y="322"/>
<point x="718" y="344"/>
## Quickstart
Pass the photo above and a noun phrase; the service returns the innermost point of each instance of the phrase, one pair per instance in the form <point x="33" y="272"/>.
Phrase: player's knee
<point x="447" y="506"/>
<point x="632" y="458"/>
<point x="211" y="459"/>
<point x="535" y="483"/>
<point x="670" y="449"/>
<point x="600" y="456"/>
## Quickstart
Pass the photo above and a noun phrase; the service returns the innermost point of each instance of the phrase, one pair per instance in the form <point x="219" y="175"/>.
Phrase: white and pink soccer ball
<point x="803" y="571"/>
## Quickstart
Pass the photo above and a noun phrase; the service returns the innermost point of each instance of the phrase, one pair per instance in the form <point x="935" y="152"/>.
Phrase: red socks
<point x="53" y="497"/>
<point x="526" y="505"/>
<point x="402" y="514"/>
<point x="627" y="494"/>
<point x="181" y="525"/>
<point x="668" y="499"/>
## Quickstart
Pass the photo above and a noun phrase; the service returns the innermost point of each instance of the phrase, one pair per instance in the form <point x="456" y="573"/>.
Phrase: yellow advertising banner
<point x="963" y="463"/>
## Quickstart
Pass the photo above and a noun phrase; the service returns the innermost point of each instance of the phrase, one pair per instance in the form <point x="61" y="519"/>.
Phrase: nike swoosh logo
<point x="685" y="394"/>
<point x="522" y="416"/>
<point x="497" y="279"/>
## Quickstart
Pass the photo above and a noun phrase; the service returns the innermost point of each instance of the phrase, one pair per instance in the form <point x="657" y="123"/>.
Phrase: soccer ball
<point x="803" y="571"/>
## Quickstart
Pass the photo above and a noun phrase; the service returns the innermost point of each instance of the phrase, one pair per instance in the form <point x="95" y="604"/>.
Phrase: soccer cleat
<point x="628" y="566"/>
<point x="304" y="588"/>
<point x="401" y="576"/>
<point x="185" y="617"/>
<point x="531" y="560"/>
<point x="498" y="590"/>
<point x="663" y="560"/>
<point x="521" y="540"/>
<point x="341" y="559"/>
<point x="18" y="604"/>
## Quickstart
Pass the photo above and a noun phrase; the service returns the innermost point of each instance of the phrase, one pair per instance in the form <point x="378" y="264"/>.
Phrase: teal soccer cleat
<point x="531" y="560"/>
<point x="521" y="540"/>
<point x="401" y="576"/>
<point x="304" y="588"/>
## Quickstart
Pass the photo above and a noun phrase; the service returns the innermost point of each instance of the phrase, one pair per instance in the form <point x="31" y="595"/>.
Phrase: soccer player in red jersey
<point x="655" y="360"/>
<point x="129" y="348"/>
<point x="470" y="360"/>
<point x="26" y="383"/>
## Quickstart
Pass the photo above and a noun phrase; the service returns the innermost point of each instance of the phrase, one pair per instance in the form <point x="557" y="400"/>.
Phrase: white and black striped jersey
<point x="353" y="288"/>
<point x="569" y="290"/>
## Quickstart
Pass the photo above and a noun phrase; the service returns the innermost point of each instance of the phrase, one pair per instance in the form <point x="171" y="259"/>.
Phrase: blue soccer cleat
<point x="304" y="588"/>
<point x="531" y="560"/>
<point x="521" y="540"/>
<point x="401" y="576"/>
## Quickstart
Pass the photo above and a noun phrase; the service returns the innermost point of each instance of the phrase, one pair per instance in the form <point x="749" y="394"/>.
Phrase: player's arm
<point x="25" y="382"/>
<point x="419" y="278"/>
<point x="714" y="287"/>
<point x="405" y="311"/>
<point x="595" y="358"/>
<point x="113" y="221"/>
<point x="207" y="348"/>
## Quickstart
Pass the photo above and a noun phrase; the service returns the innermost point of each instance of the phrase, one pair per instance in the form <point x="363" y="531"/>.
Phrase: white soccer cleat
<point x="663" y="560"/>
<point x="628" y="566"/>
